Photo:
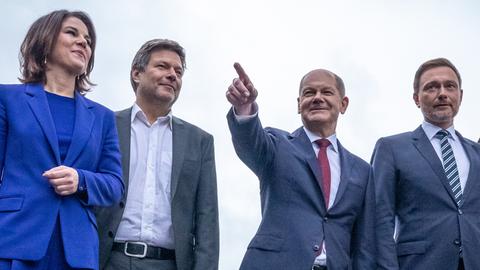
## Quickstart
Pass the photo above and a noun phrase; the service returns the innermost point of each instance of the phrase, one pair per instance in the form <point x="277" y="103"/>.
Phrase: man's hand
<point x="241" y="93"/>
<point x="63" y="179"/>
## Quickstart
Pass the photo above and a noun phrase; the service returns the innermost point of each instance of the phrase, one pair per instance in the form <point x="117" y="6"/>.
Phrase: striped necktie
<point x="450" y="165"/>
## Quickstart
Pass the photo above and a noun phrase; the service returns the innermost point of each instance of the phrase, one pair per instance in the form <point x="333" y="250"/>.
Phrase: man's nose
<point x="172" y="75"/>
<point x="442" y="92"/>
<point x="318" y="96"/>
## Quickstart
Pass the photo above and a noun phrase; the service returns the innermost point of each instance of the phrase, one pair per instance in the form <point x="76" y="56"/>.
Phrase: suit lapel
<point x="425" y="148"/>
<point x="82" y="129"/>
<point x="179" y="141"/>
<point x="123" y="119"/>
<point x="346" y="167"/>
<point x="301" y="142"/>
<point x="474" y="166"/>
<point x="39" y="105"/>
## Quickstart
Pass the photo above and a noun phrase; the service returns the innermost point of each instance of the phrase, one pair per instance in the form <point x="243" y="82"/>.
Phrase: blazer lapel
<point x="474" y="166"/>
<point x="82" y="129"/>
<point x="179" y="140"/>
<point x="346" y="167"/>
<point x="301" y="142"/>
<point x="39" y="105"/>
<point x="123" y="121"/>
<point x="425" y="148"/>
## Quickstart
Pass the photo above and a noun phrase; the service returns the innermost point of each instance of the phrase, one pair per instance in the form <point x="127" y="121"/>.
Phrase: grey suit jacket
<point x="410" y="183"/>
<point x="194" y="197"/>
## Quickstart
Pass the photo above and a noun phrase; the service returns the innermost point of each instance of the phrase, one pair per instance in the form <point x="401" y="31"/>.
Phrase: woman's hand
<point x="63" y="179"/>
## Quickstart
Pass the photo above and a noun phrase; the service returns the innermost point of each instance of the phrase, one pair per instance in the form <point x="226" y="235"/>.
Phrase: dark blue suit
<point x="294" y="216"/>
<point x="411" y="183"/>
<point x="29" y="207"/>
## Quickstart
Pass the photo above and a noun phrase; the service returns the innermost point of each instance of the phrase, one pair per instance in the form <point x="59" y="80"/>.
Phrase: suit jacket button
<point x="456" y="242"/>
<point x="110" y="234"/>
<point x="122" y="204"/>
<point x="316" y="248"/>
<point x="325" y="219"/>
<point x="460" y="212"/>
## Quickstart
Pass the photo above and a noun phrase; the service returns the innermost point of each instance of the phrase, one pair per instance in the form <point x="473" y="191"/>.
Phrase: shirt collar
<point x="431" y="130"/>
<point x="137" y="113"/>
<point x="314" y="137"/>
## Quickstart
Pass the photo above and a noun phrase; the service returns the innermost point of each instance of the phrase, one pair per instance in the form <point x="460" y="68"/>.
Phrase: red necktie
<point x="324" y="167"/>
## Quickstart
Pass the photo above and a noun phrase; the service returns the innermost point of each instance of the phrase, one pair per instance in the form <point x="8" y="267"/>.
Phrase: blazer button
<point x="460" y="212"/>
<point x="316" y="248"/>
<point x="122" y="204"/>
<point x="456" y="242"/>
<point x="110" y="234"/>
<point x="325" y="219"/>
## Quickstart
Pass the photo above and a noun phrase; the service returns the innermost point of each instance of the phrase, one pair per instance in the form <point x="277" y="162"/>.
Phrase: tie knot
<point x="323" y="143"/>
<point x="442" y="134"/>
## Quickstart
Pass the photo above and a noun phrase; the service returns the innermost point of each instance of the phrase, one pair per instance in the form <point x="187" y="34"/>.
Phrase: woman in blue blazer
<point x="59" y="153"/>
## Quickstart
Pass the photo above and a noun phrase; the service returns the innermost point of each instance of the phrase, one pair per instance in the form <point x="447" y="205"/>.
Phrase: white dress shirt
<point x="147" y="216"/>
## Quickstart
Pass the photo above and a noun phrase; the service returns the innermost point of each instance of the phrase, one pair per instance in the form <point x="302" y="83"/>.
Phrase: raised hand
<point x="63" y="179"/>
<point x="241" y="93"/>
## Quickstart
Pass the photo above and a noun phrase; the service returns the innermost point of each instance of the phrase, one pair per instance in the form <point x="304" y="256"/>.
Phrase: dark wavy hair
<point x="40" y="41"/>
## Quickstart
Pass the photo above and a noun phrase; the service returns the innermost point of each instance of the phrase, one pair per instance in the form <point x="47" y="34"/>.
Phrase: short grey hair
<point x="142" y="57"/>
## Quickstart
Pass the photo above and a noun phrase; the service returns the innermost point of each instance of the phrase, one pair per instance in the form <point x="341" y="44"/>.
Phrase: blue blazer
<point x="29" y="207"/>
<point x="294" y="217"/>
<point x="410" y="183"/>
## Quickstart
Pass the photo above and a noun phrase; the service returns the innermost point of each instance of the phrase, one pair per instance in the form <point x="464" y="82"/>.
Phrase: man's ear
<point x="135" y="75"/>
<point x="344" y="107"/>
<point x="298" y="105"/>
<point x="415" y="98"/>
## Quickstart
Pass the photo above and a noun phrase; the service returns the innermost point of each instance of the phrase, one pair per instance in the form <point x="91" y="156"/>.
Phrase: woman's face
<point x="71" y="52"/>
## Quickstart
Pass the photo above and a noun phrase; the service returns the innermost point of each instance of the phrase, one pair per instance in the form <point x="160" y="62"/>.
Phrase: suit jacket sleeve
<point x="3" y="136"/>
<point x="206" y="248"/>
<point x="253" y="145"/>
<point x="385" y="183"/>
<point x="104" y="186"/>
<point x="363" y="236"/>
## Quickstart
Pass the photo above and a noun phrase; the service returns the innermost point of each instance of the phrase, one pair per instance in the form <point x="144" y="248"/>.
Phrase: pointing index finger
<point x="242" y="74"/>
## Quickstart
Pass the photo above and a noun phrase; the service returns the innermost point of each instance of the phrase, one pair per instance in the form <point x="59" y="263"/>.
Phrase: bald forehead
<point x="318" y="75"/>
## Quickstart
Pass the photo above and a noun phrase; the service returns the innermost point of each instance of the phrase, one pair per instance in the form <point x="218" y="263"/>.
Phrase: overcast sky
<point x="375" y="46"/>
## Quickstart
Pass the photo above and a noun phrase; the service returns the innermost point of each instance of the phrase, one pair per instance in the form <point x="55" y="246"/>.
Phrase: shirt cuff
<point x="245" y="118"/>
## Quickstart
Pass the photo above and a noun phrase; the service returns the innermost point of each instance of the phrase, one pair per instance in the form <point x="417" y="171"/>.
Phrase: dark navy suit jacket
<point x="294" y="216"/>
<point x="29" y="207"/>
<point x="410" y="183"/>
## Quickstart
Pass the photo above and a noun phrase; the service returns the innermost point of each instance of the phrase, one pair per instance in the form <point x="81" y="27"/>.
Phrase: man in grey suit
<point x="168" y="218"/>
<point x="428" y="183"/>
<point x="317" y="198"/>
